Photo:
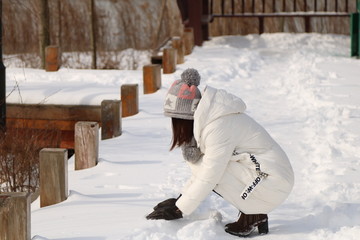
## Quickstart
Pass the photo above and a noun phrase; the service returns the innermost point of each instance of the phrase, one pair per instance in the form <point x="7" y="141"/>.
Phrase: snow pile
<point x="303" y="88"/>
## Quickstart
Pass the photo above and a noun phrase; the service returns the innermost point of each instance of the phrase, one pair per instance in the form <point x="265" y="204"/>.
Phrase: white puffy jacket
<point x="241" y="162"/>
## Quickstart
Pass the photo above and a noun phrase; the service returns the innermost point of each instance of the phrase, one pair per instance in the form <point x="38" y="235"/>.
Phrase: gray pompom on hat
<point x="191" y="77"/>
<point x="183" y="96"/>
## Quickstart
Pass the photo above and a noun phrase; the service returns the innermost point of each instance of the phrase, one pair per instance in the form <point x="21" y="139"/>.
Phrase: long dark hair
<point x="182" y="131"/>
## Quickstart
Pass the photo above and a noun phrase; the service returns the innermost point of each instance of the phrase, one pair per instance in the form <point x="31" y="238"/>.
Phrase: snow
<point x="303" y="88"/>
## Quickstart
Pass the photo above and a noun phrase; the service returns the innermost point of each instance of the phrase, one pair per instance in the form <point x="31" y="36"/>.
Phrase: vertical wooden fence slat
<point x="110" y="119"/>
<point x="151" y="78"/>
<point x="284" y="6"/>
<point x="336" y="6"/>
<point x="261" y="25"/>
<point x="86" y="145"/>
<point x="52" y="58"/>
<point x="232" y="7"/>
<point x="222" y="7"/>
<point x="274" y="7"/>
<point x="307" y="24"/>
<point x="53" y="176"/>
<point x="15" y="215"/>
<point x="129" y="99"/>
<point x="169" y="60"/>
<point x="325" y="7"/>
<point x="263" y="6"/>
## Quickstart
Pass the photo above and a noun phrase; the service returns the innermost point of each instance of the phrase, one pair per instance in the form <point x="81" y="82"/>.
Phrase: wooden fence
<point x="198" y="14"/>
<point x="298" y="8"/>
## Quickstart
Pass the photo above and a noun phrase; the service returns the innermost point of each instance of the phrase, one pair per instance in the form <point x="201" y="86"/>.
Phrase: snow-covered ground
<point x="303" y="88"/>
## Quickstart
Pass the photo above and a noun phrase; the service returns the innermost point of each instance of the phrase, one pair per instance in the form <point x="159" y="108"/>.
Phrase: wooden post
<point x="15" y="216"/>
<point x="177" y="43"/>
<point x="151" y="78"/>
<point x="86" y="145"/>
<point x="169" y="60"/>
<point x="129" y="99"/>
<point x="110" y="119"/>
<point x="52" y="59"/>
<point x="195" y="15"/>
<point x="188" y="37"/>
<point x="355" y="34"/>
<point x="307" y="24"/>
<point x="53" y="176"/>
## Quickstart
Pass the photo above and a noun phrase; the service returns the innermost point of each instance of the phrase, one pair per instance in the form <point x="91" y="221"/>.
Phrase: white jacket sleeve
<point x="218" y="150"/>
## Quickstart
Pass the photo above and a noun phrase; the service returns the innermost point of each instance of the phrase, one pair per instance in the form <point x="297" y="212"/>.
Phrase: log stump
<point x="52" y="58"/>
<point x="110" y="119"/>
<point x="129" y="99"/>
<point x="15" y="215"/>
<point x="169" y="60"/>
<point x="53" y="176"/>
<point x="188" y="37"/>
<point x="86" y="145"/>
<point x="151" y="78"/>
<point x="177" y="43"/>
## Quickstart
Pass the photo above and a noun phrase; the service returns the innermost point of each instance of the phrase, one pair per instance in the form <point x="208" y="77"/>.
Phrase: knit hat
<point x="183" y="96"/>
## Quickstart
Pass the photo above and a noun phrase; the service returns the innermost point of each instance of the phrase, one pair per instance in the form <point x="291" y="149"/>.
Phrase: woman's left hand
<point x="167" y="213"/>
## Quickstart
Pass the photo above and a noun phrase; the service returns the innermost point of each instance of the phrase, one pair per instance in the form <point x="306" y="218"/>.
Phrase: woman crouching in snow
<point x="228" y="152"/>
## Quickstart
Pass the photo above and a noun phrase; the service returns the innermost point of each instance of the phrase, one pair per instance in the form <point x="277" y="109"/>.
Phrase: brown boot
<point x="247" y="223"/>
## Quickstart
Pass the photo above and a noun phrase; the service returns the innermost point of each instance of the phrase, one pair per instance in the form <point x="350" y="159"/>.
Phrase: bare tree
<point x="44" y="30"/>
<point x="92" y="15"/>
<point x="2" y="81"/>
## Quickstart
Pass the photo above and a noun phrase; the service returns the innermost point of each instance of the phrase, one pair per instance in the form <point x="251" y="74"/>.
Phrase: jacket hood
<point x="215" y="103"/>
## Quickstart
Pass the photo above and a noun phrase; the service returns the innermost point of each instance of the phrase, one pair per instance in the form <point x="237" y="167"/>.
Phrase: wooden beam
<point x="54" y="112"/>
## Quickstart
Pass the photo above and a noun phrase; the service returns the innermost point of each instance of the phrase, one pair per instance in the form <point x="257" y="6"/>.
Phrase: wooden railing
<point x="199" y="13"/>
<point x="271" y="8"/>
<point x="281" y="8"/>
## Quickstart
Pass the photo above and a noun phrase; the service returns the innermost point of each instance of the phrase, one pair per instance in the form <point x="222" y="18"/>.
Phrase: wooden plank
<point x="51" y="112"/>
<point x="61" y="118"/>
<point x="282" y="14"/>
<point x="40" y="124"/>
<point x="67" y="140"/>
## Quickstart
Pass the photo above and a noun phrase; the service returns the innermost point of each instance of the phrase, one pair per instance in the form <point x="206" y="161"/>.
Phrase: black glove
<point x="167" y="203"/>
<point x="166" y="212"/>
